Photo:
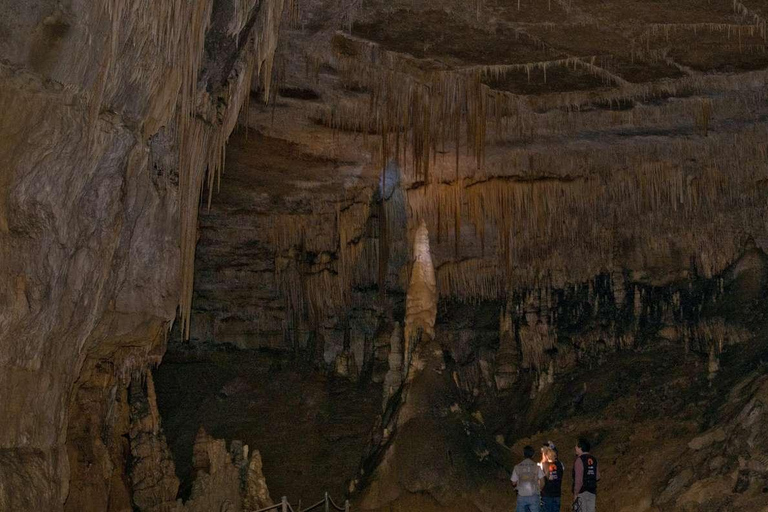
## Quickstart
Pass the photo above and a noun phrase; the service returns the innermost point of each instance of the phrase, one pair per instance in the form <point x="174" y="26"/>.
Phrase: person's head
<point x="528" y="452"/>
<point x="549" y="454"/>
<point x="582" y="446"/>
<point x="552" y="445"/>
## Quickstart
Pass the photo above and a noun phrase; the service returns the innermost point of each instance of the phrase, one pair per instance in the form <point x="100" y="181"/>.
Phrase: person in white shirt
<point x="528" y="479"/>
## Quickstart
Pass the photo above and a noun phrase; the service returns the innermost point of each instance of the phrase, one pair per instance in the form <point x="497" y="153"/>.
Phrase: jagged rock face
<point x="541" y="147"/>
<point x="530" y="162"/>
<point x="152" y="469"/>
<point x="533" y="165"/>
<point x="98" y="478"/>
<point x="98" y="101"/>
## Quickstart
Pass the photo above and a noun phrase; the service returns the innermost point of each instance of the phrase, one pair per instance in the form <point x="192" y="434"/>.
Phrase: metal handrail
<point x="284" y="506"/>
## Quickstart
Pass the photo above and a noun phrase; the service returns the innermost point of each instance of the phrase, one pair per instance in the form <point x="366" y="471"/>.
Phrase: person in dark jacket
<point x="553" y="480"/>
<point x="585" y="477"/>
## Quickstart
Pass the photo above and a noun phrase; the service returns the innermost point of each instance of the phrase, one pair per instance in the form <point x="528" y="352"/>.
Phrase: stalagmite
<point x="713" y="365"/>
<point x="421" y="300"/>
<point x="507" y="358"/>
<point x="345" y="365"/>
<point x="394" y="376"/>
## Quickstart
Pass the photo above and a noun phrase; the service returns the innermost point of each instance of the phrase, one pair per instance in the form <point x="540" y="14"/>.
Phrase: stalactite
<point x="428" y="107"/>
<point x="531" y="216"/>
<point x="703" y="116"/>
<point x="561" y="212"/>
<point x="178" y="32"/>
<point x="500" y="71"/>
<point x="657" y="30"/>
<point x="757" y="20"/>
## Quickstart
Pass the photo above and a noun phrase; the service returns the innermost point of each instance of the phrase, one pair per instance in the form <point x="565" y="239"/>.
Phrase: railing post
<point x="327" y="506"/>
<point x="284" y="504"/>
<point x="346" y="505"/>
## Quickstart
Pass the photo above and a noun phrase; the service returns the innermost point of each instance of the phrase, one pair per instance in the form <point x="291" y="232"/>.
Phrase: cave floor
<point x="643" y="412"/>
<point x="310" y="429"/>
<point x="649" y="413"/>
<point x="641" y="409"/>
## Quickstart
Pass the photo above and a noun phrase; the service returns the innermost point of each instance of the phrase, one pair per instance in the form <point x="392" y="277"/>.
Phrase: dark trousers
<point x="550" y="504"/>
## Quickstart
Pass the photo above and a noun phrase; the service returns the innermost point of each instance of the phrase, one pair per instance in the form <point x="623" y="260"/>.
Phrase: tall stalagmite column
<point x="421" y="301"/>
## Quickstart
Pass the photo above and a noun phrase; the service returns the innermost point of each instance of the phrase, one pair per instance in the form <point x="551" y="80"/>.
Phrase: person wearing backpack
<point x="528" y="479"/>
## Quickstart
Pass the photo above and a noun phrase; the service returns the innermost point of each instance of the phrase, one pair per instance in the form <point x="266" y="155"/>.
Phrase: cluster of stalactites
<point x="758" y="21"/>
<point x="177" y="30"/>
<point x="655" y="31"/>
<point x="569" y="215"/>
<point x="416" y="113"/>
<point x="588" y="64"/>
<point x="579" y="209"/>
<point x="550" y="327"/>
<point x="345" y="258"/>
<point x="322" y="257"/>
<point x="420" y="110"/>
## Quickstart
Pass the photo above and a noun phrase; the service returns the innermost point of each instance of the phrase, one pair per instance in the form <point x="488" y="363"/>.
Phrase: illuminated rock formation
<point x="591" y="173"/>
<point x="421" y="300"/>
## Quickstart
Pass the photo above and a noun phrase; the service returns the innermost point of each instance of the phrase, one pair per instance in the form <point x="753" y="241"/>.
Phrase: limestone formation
<point x="222" y="477"/>
<point x="112" y="114"/>
<point x="394" y="376"/>
<point x="154" y="482"/>
<point x="583" y="181"/>
<point x="345" y="365"/>
<point x="507" y="358"/>
<point x="257" y="493"/>
<point x="421" y="301"/>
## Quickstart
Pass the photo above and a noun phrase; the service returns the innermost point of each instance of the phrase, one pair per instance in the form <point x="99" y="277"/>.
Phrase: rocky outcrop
<point x="112" y="114"/>
<point x="727" y="465"/>
<point x="98" y="443"/>
<point x="603" y="201"/>
<point x="256" y="491"/>
<point x="225" y="479"/>
<point x="153" y="479"/>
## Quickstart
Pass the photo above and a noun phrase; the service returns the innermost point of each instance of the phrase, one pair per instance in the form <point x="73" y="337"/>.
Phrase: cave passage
<point x="256" y="249"/>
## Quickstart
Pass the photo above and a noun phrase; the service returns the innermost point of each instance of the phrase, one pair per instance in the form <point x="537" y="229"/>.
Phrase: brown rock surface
<point x="97" y="100"/>
<point x="596" y="171"/>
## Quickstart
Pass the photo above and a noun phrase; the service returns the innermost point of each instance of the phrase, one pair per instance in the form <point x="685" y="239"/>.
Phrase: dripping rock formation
<point x="385" y="244"/>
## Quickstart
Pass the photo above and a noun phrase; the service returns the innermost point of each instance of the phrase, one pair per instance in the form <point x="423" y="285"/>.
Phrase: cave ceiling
<point x="540" y="141"/>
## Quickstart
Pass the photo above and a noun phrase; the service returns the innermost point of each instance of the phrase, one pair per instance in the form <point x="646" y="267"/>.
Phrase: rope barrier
<point x="284" y="506"/>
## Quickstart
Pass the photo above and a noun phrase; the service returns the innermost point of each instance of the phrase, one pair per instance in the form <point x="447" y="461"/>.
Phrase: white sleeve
<point x="540" y="474"/>
<point x="514" y="478"/>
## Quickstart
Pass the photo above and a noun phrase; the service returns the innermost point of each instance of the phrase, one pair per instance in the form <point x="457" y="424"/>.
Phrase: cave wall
<point x="292" y="251"/>
<point x="114" y="111"/>
<point x="100" y="99"/>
